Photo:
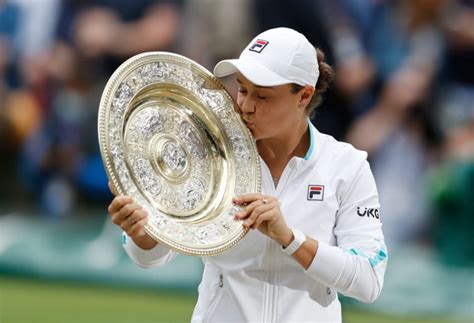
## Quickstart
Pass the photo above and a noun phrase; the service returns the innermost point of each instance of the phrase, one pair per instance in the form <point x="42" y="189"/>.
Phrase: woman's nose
<point x="247" y="105"/>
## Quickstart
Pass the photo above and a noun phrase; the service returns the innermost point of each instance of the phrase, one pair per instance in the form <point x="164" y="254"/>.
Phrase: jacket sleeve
<point x="158" y="256"/>
<point x="356" y="265"/>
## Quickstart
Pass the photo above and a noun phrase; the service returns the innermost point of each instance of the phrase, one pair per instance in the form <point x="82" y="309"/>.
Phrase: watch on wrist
<point x="299" y="239"/>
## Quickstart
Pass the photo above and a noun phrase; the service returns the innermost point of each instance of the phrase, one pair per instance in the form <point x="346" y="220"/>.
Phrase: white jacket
<point x="256" y="282"/>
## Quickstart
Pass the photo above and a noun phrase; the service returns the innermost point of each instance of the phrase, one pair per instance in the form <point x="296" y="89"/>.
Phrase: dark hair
<point x="326" y="75"/>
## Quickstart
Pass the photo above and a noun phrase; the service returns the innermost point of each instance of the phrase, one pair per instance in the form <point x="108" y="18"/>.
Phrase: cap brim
<point x="256" y="73"/>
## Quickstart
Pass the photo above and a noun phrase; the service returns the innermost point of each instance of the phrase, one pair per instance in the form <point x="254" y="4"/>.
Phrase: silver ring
<point x="264" y="201"/>
<point x="131" y="220"/>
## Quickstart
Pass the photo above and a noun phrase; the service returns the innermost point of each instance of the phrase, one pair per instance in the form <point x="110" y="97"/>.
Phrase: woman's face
<point x="271" y="112"/>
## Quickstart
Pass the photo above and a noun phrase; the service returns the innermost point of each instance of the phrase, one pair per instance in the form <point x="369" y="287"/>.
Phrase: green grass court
<point x="32" y="301"/>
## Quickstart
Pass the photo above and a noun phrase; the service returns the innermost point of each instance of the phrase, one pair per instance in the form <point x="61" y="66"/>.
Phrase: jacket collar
<point x="316" y="142"/>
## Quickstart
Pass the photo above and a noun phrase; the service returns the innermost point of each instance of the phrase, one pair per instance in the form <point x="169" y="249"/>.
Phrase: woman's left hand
<point x="262" y="212"/>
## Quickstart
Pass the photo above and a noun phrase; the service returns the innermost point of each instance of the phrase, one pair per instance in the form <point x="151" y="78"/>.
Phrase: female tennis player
<point x="316" y="226"/>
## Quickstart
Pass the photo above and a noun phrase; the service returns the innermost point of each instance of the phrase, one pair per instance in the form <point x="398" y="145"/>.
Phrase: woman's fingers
<point x="128" y="209"/>
<point x="257" y="208"/>
<point x="247" y="198"/>
<point x="254" y="210"/>
<point x="138" y="227"/>
<point x="132" y="218"/>
<point x="118" y="202"/>
<point x="141" y="218"/>
<point x="124" y="212"/>
<point x="266" y="216"/>
<point x="247" y="210"/>
<point x="256" y="213"/>
<point x="130" y="222"/>
<point x="250" y="202"/>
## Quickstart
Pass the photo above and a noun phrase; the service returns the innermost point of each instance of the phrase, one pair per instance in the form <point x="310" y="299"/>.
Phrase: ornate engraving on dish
<point x="170" y="138"/>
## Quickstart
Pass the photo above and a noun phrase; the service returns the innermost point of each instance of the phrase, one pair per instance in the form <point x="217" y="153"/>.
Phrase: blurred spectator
<point x="61" y="161"/>
<point x="9" y="23"/>
<point x="452" y="182"/>
<point x="208" y="26"/>
<point x="110" y="31"/>
<point x="214" y="30"/>
<point x="455" y="94"/>
<point x="34" y="34"/>
<point x="406" y="45"/>
<point x="9" y="130"/>
<point x="452" y="193"/>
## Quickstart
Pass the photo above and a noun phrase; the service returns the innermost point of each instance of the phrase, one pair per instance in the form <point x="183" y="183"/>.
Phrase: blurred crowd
<point x="404" y="92"/>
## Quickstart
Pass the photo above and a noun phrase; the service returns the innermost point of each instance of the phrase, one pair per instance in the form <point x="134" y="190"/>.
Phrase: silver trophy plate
<point x="171" y="139"/>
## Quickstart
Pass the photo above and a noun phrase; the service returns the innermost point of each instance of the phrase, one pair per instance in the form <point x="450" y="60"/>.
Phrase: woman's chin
<point x="254" y="134"/>
<point x="251" y="128"/>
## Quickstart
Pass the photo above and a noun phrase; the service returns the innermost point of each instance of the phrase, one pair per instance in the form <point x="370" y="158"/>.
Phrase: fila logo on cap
<point x="258" y="46"/>
<point x="315" y="192"/>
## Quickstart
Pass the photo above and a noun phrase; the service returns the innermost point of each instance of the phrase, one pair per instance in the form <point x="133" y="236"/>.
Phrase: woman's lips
<point x="249" y="124"/>
<point x="250" y="127"/>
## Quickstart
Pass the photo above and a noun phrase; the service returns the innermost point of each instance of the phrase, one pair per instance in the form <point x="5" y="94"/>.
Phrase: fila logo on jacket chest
<point x="315" y="193"/>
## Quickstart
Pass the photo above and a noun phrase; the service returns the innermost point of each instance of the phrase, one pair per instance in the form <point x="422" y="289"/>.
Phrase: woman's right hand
<point x="132" y="218"/>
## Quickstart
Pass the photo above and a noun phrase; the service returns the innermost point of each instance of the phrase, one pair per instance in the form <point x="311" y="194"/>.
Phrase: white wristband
<point x="299" y="239"/>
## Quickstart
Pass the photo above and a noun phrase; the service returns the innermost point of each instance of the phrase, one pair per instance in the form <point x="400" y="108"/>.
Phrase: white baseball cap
<point x="275" y="57"/>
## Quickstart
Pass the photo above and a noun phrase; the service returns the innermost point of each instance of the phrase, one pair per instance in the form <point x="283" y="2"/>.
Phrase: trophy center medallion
<point x="174" y="158"/>
<point x="169" y="158"/>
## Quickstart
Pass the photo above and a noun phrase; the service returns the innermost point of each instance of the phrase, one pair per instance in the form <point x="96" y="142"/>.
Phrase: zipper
<point x="216" y="299"/>
<point x="268" y="287"/>
<point x="270" y="292"/>
<point x="285" y="177"/>
<point x="274" y="282"/>
<point x="221" y="281"/>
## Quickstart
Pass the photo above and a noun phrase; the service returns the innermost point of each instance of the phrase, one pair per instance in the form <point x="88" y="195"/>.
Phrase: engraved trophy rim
<point x="170" y="137"/>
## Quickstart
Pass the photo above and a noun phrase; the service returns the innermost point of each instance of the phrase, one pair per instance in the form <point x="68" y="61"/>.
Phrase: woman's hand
<point x="132" y="218"/>
<point x="262" y="212"/>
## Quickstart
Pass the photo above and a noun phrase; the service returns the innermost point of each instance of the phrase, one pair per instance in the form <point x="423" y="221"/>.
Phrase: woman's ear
<point x="306" y="94"/>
